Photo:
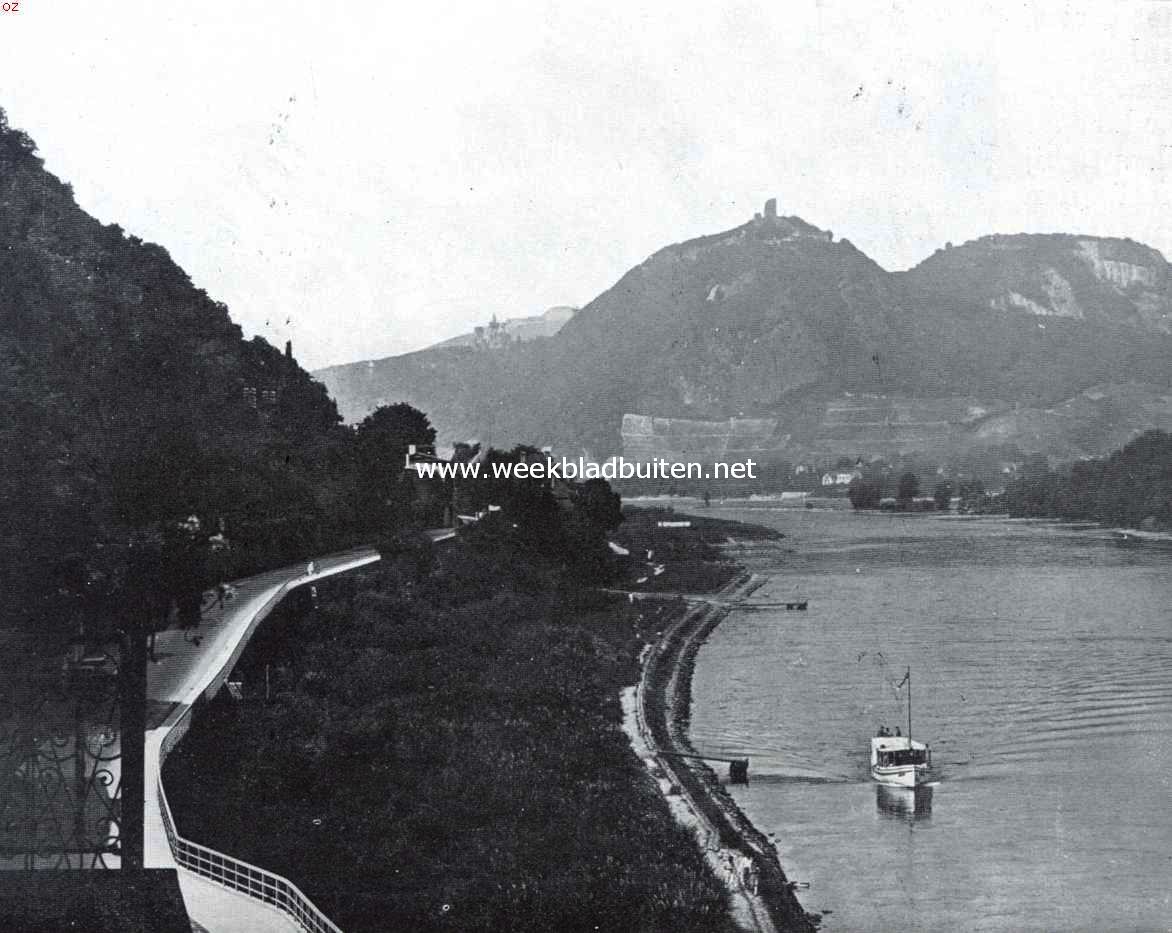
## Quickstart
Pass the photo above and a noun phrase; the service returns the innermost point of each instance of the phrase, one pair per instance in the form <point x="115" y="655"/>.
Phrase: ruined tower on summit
<point x="777" y="229"/>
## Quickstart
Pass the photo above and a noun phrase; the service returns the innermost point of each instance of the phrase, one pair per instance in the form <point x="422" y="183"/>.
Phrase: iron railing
<point x="250" y="880"/>
<point x="236" y="874"/>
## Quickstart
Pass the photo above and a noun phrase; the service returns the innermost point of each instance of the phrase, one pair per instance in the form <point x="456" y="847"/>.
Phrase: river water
<point x="1041" y="660"/>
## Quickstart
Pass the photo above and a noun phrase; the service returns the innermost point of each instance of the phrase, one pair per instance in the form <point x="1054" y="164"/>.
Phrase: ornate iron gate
<point x="61" y="768"/>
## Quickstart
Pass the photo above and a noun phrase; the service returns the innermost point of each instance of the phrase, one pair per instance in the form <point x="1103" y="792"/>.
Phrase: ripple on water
<point x="1042" y="666"/>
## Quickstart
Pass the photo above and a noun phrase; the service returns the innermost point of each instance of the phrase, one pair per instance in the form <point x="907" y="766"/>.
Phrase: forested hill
<point x="1131" y="488"/>
<point x="1055" y="343"/>
<point x="128" y="397"/>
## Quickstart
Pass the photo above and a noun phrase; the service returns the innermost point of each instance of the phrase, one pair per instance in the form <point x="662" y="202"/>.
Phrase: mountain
<point x="1101" y="280"/>
<point x="777" y="338"/>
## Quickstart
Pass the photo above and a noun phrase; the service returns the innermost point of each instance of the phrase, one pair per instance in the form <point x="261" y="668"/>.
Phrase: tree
<point x="600" y="506"/>
<point x="595" y="510"/>
<point x="1034" y="491"/>
<point x="943" y="496"/>
<point x="909" y="488"/>
<point x="384" y="492"/>
<point x="864" y="494"/>
<point x="972" y="496"/>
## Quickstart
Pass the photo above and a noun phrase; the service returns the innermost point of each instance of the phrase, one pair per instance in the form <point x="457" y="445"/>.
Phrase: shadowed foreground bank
<point x="441" y="749"/>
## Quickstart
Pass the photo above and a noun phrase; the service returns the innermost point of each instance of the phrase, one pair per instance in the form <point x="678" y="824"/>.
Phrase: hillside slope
<point x="512" y="330"/>
<point x="776" y="322"/>
<point x="1100" y="280"/>
<point x="129" y="397"/>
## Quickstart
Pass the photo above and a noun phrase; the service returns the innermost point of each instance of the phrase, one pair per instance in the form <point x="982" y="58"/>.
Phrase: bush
<point x="453" y="751"/>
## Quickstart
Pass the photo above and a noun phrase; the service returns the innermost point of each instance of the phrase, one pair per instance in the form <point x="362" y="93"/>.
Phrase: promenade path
<point x="183" y="672"/>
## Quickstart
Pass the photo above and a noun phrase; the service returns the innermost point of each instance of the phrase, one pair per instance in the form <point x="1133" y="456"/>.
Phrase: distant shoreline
<point x="842" y="504"/>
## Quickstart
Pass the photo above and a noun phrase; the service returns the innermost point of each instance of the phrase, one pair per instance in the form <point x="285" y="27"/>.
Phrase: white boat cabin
<point x="897" y="759"/>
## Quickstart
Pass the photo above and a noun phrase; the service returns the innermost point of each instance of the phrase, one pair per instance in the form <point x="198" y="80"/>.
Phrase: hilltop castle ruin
<point x="780" y="229"/>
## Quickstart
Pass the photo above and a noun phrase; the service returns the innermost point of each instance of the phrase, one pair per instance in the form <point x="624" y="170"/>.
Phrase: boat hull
<point x="906" y="776"/>
<point x="912" y="802"/>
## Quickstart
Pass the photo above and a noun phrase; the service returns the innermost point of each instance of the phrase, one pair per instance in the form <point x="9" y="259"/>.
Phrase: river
<point x="1041" y="659"/>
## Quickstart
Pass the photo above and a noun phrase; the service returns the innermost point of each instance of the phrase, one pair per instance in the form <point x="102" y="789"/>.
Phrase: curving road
<point x="184" y="672"/>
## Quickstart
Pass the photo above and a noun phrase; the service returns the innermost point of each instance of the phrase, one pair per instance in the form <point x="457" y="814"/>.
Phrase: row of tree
<point x="868" y="492"/>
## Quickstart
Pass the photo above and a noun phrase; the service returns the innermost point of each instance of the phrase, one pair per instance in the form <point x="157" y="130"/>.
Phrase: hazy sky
<point x="368" y="178"/>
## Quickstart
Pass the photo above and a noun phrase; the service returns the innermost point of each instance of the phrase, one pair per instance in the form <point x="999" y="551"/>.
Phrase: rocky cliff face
<point x="684" y="440"/>
<point x="777" y="323"/>
<point x="1108" y="281"/>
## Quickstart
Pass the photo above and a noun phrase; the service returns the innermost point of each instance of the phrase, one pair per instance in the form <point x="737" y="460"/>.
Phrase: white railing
<point x="250" y="880"/>
<point x="234" y="873"/>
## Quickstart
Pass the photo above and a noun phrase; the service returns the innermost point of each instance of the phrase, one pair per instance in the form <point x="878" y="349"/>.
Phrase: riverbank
<point x="655" y="718"/>
<point x="441" y="749"/>
<point x="438" y="744"/>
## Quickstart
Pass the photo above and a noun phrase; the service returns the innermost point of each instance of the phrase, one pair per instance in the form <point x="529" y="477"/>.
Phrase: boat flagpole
<point x="909" y="707"/>
<point x="907" y="679"/>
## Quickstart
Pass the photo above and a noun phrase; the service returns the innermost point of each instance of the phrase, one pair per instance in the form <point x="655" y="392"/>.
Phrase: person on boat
<point x="883" y="731"/>
<point x="897" y="732"/>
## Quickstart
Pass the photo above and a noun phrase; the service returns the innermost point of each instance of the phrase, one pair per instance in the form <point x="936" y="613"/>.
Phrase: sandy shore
<point x="655" y="716"/>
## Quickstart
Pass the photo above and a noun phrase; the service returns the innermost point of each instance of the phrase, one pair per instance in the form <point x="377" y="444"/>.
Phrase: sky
<point x="367" y="178"/>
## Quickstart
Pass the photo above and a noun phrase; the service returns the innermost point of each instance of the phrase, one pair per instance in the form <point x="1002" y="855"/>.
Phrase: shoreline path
<point x="184" y="673"/>
<point x="761" y="900"/>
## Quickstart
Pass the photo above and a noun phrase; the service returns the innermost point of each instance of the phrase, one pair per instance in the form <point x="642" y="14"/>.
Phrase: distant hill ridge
<point x="1047" y="341"/>
<point x="514" y="329"/>
<point x="1103" y="279"/>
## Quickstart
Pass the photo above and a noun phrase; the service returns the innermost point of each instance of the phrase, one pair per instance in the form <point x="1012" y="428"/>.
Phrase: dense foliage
<point x="449" y="741"/>
<point x="385" y="496"/>
<point x="865" y="493"/>
<point x="1132" y="487"/>
<point x="563" y="522"/>
<point x="131" y="408"/>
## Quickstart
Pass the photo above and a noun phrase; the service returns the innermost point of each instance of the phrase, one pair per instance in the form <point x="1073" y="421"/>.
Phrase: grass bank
<point x="441" y="749"/>
<point x="670" y="558"/>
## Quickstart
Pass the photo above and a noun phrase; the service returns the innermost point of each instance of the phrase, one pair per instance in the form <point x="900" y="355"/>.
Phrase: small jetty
<point x="738" y="768"/>
<point x="797" y="603"/>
